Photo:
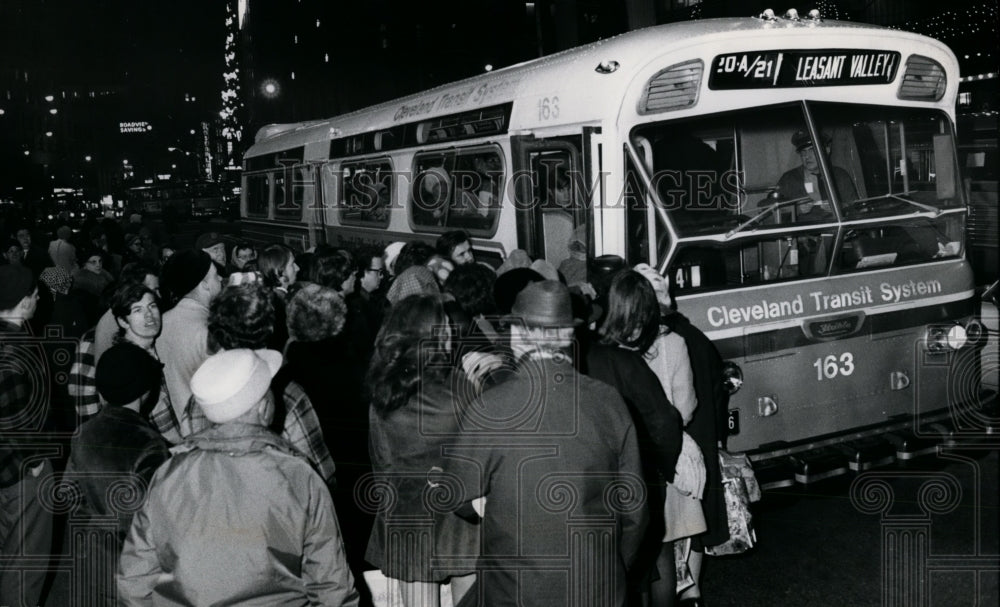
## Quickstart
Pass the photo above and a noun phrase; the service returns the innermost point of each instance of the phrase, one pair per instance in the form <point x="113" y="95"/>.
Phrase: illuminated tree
<point x="232" y="104"/>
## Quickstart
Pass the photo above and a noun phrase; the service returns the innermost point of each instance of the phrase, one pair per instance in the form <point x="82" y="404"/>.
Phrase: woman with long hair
<point x="276" y="265"/>
<point x="689" y="368"/>
<point x="629" y="329"/>
<point x="415" y="406"/>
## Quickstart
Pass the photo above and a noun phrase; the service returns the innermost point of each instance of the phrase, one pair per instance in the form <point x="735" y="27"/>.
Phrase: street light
<point x="270" y="88"/>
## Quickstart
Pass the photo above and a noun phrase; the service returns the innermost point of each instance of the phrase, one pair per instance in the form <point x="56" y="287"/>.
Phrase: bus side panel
<point x="836" y="355"/>
<point x="826" y="388"/>
<point x="262" y="233"/>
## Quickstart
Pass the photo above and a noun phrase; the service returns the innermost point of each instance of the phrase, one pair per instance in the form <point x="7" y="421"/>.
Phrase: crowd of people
<point x="244" y="425"/>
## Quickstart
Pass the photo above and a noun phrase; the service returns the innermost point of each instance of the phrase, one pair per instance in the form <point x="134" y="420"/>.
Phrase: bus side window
<point x="257" y="193"/>
<point x="367" y="193"/>
<point x="430" y="192"/>
<point x="301" y="190"/>
<point x="477" y="183"/>
<point x="460" y="189"/>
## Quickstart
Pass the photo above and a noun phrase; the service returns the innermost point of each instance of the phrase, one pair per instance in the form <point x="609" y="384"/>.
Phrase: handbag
<point x="682" y="552"/>
<point x="737" y="478"/>
<point x="738" y="465"/>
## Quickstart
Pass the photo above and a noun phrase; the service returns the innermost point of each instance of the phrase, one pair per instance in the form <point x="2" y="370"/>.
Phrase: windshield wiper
<point x="763" y="213"/>
<point x="863" y="202"/>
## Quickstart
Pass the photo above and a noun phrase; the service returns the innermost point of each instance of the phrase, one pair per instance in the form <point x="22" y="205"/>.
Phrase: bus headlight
<point x="732" y="377"/>
<point x="976" y="333"/>
<point x="946" y="338"/>
<point x="957" y="337"/>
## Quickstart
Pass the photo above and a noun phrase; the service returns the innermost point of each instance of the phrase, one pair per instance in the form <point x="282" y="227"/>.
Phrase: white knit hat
<point x="391" y="253"/>
<point x="232" y="382"/>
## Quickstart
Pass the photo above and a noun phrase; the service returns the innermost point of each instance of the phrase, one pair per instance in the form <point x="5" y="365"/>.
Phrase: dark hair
<point x="243" y="245"/>
<point x="633" y="312"/>
<point x="241" y="317"/>
<point x="471" y="285"/>
<point x="272" y="261"/>
<point x="315" y="313"/>
<point x="363" y="260"/>
<point x="415" y="253"/>
<point x="85" y="253"/>
<point x="11" y="242"/>
<point x="449" y="240"/>
<point x="395" y="373"/>
<point x="136" y="272"/>
<point x="124" y="296"/>
<point x="303" y="260"/>
<point x="331" y="267"/>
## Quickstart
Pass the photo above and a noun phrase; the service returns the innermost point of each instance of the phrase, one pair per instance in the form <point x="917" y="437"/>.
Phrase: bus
<point x="196" y="199"/>
<point x="977" y="154"/>
<point x="795" y="178"/>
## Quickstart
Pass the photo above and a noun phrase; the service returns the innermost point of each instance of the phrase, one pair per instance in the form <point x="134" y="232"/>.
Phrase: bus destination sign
<point x="790" y="69"/>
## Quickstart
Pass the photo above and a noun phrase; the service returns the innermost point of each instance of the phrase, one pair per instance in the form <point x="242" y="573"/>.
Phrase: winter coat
<point x="236" y="517"/>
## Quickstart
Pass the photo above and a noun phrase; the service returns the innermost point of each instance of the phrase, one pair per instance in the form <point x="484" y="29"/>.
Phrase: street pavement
<point x="827" y="545"/>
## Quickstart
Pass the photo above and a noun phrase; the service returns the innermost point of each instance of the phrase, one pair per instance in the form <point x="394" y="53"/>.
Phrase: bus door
<point x="307" y="198"/>
<point x="549" y="185"/>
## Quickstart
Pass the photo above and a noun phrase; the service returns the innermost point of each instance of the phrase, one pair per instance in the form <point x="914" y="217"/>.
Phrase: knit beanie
<point x="184" y="270"/>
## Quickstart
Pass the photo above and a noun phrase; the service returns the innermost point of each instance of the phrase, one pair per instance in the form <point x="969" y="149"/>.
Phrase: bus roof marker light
<point x="768" y="15"/>
<point x="792" y="14"/>
<point x="608" y="66"/>
<point x="814" y="15"/>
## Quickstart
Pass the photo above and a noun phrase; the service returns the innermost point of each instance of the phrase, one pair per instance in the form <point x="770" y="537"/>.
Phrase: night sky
<point x="148" y="45"/>
<point x="162" y="62"/>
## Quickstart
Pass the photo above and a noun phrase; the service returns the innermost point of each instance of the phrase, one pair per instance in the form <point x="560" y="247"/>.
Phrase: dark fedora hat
<point x="544" y="304"/>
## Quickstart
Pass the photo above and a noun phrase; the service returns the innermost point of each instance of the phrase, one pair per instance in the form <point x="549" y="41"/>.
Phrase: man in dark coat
<point x="113" y="457"/>
<point x="558" y="462"/>
<point x="36" y="258"/>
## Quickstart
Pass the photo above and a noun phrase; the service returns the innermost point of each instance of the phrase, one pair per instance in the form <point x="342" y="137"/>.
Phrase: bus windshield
<point x="764" y="167"/>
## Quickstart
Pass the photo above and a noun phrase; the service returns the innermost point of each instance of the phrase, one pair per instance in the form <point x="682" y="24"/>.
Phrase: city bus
<point x="795" y="178"/>
<point x="196" y="199"/>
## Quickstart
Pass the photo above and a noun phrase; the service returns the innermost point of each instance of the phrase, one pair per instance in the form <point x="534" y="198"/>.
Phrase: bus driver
<point x="805" y="181"/>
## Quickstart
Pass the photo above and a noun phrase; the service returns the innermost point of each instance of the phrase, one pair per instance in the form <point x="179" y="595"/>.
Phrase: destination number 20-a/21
<point x="829" y="367"/>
